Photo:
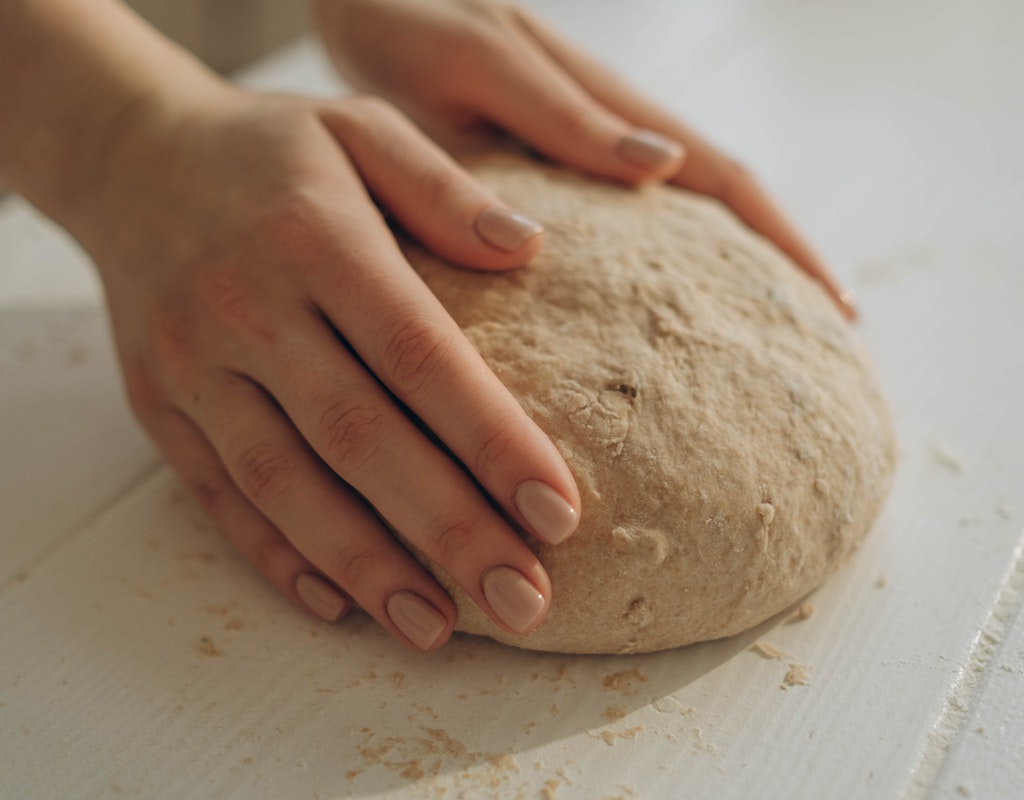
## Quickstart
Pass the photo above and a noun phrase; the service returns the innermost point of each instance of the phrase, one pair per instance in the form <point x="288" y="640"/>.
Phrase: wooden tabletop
<point x="139" y="657"/>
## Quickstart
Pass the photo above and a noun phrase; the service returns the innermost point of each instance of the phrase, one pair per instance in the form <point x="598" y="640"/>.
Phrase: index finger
<point x="410" y="343"/>
<point x="706" y="169"/>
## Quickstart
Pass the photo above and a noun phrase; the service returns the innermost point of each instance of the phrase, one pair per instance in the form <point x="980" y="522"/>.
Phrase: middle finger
<point x="360" y="433"/>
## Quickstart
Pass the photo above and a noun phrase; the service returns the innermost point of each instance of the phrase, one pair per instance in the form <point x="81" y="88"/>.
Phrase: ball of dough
<point x="724" y="426"/>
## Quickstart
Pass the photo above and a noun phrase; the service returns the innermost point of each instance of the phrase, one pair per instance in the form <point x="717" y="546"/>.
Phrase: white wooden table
<point x="140" y="657"/>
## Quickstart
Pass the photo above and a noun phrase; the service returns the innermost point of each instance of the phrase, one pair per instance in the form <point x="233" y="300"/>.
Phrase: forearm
<point x="69" y="71"/>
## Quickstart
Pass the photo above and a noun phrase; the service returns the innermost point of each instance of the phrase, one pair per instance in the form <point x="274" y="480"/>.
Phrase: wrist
<point x="129" y="155"/>
<point x="70" y="74"/>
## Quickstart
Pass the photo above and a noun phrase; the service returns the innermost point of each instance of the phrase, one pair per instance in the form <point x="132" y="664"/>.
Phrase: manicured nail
<point x="322" y="598"/>
<point x="416" y="618"/>
<point x="514" y="599"/>
<point x="548" y="514"/>
<point x="849" y="299"/>
<point x="648" y="149"/>
<point x="505" y="229"/>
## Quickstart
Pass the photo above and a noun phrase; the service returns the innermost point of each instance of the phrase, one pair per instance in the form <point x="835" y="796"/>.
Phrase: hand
<point x="272" y="337"/>
<point x="475" y="61"/>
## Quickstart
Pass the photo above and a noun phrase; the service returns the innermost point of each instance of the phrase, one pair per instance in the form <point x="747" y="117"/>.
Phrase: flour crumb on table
<point x="613" y="713"/>
<point x="798" y="675"/>
<point x="765" y="650"/>
<point x="623" y="682"/>
<point x="804" y="612"/>
<point x="207" y="648"/>
<point x="946" y="457"/>
<point x="609" y="736"/>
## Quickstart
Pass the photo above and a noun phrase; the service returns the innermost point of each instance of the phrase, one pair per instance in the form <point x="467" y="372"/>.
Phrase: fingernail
<point x="648" y="149"/>
<point x="416" y="618"/>
<point x="514" y="599"/>
<point x="322" y="598"/>
<point x="848" y="299"/>
<point x="505" y="229"/>
<point x="548" y="514"/>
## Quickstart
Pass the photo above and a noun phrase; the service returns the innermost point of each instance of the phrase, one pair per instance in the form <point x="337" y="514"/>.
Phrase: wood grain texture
<point x="142" y="658"/>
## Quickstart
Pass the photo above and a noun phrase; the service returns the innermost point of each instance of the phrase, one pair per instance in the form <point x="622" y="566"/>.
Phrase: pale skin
<point x="273" y="340"/>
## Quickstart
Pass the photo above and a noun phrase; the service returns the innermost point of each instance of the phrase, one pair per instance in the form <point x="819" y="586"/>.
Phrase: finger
<point x="252" y="535"/>
<point x="409" y="342"/>
<point x="706" y="169"/>
<point x="435" y="200"/>
<point x="522" y="90"/>
<point x="359" y="432"/>
<point x="323" y="519"/>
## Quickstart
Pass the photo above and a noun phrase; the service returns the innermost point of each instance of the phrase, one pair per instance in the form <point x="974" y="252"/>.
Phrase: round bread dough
<point x="724" y="427"/>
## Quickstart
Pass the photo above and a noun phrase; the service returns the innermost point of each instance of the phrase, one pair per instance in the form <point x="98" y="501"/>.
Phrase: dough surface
<point x="723" y="424"/>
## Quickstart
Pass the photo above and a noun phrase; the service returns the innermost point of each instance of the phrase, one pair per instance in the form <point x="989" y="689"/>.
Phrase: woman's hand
<point x="275" y="344"/>
<point x="476" y="61"/>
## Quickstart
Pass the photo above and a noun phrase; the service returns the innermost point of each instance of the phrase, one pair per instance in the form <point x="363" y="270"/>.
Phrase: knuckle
<point x="367" y="114"/>
<point x="453" y="535"/>
<point x="266" y="472"/>
<point x="143" y="393"/>
<point x="296" y="223"/>
<point x="268" y="555"/>
<point x="498" y="446"/>
<point x="171" y="345"/>
<point x="734" y="178"/>
<point x="207" y="495"/>
<point x="351" y="434"/>
<point x="578" y="123"/>
<point x="228" y="299"/>
<point x="351" y="564"/>
<point x="416" y="352"/>
<point x="437" y="185"/>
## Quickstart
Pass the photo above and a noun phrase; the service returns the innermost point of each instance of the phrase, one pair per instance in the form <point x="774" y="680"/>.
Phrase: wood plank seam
<point x="104" y="509"/>
<point x="969" y="683"/>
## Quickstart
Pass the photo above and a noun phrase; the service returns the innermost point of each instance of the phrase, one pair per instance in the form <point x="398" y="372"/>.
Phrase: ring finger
<point x="359" y="432"/>
<point x="321" y="517"/>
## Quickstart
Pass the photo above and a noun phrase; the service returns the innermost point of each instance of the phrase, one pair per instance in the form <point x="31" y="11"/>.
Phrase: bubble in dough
<point x="723" y="424"/>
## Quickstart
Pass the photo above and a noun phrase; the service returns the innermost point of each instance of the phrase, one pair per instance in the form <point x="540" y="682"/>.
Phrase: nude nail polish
<point x="505" y="229"/>
<point x="648" y="149"/>
<point x="416" y="618"/>
<point x="514" y="599"/>
<point x="547" y="513"/>
<point x="323" y="599"/>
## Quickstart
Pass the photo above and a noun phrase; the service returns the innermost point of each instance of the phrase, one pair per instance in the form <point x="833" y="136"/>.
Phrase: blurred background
<point x="227" y="34"/>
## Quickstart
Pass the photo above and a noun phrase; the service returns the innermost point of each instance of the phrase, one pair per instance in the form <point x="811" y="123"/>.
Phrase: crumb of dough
<point x="798" y="675"/>
<point x="613" y="713"/>
<point x="610" y="736"/>
<point x="700" y="743"/>
<point x="1004" y="511"/>
<point x="947" y="457"/>
<point x="965" y="790"/>
<point x="550" y="789"/>
<point x="622" y="682"/>
<point x="208" y="648"/>
<point x="765" y="650"/>
<point x="882" y="582"/>
<point x="504" y="761"/>
<point x="805" y="611"/>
